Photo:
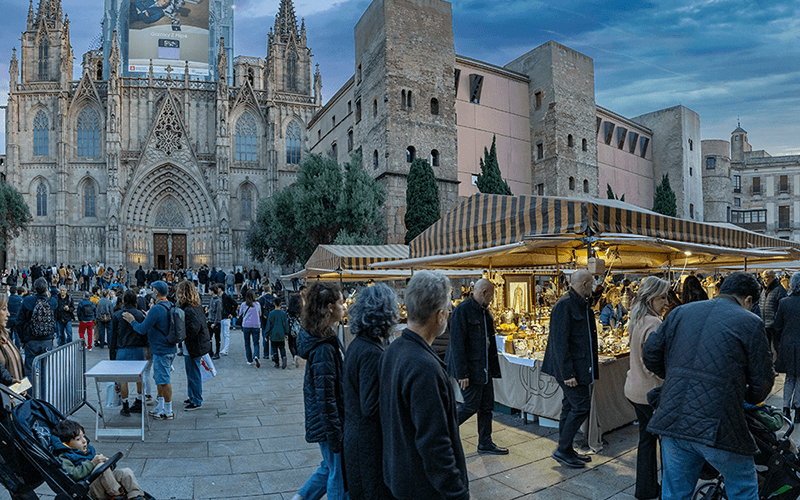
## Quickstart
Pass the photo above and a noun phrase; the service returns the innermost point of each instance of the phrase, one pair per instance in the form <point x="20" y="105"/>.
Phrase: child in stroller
<point x="777" y="463"/>
<point x="79" y="460"/>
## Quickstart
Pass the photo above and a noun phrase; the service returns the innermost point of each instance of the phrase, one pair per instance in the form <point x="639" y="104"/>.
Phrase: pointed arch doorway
<point x="169" y="237"/>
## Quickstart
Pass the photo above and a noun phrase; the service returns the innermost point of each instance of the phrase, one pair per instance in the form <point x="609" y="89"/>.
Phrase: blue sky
<point x="721" y="58"/>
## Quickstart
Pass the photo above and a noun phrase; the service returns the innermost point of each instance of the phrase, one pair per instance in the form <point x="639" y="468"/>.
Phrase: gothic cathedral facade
<point x="159" y="170"/>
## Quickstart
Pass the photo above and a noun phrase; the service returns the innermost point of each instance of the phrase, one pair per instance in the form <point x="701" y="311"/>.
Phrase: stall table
<point x="524" y="387"/>
<point x="123" y="372"/>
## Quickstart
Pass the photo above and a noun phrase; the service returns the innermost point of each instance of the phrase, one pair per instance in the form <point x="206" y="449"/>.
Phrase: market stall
<point x="492" y="232"/>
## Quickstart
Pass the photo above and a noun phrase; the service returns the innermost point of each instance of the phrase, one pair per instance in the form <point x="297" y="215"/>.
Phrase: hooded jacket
<point x="322" y="389"/>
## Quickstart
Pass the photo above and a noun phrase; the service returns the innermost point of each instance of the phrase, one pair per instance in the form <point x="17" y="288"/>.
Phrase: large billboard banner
<point x="171" y="33"/>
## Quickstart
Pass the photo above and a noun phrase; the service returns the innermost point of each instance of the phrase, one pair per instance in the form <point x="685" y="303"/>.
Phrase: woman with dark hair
<point x="250" y="312"/>
<point x="197" y="343"/>
<point x="371" y="320"/>
<point x="127" y="345"/>
<point x="322" y="389"/>
<point x="692" y="290"/>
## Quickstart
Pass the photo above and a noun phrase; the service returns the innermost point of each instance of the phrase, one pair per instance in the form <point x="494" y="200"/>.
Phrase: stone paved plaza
<point x="247" y="442"/>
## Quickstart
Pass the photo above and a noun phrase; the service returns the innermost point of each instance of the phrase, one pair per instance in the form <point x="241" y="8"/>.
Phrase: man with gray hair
<point x="571" y="357"/>
<point x="772" y="293"/>
<point x="472" y="360"/>
<point x="422" y="454"/>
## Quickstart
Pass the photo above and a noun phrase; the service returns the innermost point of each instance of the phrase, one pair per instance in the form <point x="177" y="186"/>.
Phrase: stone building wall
<point x="717" y="180"/>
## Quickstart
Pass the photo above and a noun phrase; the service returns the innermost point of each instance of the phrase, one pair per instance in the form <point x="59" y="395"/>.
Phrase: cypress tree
<point x="16" y="214"/>
<point x="490" y="181"/>
<point x="664" y="200"/>
<point x="610" y="192"/>
<point x="422" y="199"/>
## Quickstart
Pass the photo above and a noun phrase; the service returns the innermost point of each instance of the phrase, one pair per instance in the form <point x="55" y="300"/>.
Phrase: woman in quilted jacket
<point x="322" y="389"/>
<point x="787" y="325"/>
<point x="645" y="318"/>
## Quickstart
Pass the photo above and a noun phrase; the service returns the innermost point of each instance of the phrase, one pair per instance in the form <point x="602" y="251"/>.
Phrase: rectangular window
<point x="783" y="184"/>
<point x="474" y="176"/>
<point x="349" y="107"/>
<point x="711" y="163"/>
<point x="457" y="78"/>
<point x="758" y="217"/>
<point x="691" y="211"/>
<point x="475" y="86"/>
<point x="608" y="131"/>
<point x="358" y="110"/>
<point x="539" y="151"/>
<point x="358" y="75"/>
<point x="756" y="185"/>
<point x="737" y="183"/>
<point x="737" y="202"/>
<point x="333" y="121"/>
<point x="334" y="151"/>
<point x="538" y="98"/>
<point x="783" y="217"/>
<point x="540" y="189"/>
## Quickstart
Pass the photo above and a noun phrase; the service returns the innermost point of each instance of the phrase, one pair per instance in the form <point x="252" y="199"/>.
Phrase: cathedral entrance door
<point x="169" y="250"/>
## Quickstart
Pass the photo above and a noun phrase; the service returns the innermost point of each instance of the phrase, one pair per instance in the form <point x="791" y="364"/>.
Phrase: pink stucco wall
<point x="503" y="111"/>
<point x="627" y="173"/>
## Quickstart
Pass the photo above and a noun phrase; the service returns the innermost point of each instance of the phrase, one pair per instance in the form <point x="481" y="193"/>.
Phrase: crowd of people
<point x="386" y="417"/>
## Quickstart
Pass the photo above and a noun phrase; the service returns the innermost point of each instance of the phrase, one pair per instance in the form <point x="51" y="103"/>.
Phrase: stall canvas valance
<point x="354" y="257"/>
<point x="487" y="221"/>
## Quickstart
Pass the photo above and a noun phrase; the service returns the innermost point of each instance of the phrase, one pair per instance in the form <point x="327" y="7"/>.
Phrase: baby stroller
<point x="25" y="458"/>
<point x="777" y="465"/>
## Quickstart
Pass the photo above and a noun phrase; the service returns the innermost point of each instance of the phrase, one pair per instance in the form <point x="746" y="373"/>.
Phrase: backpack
<point x="42" y="320"/>
<point x="176" y="332"/>
<point x="228" y="306"/>
<point x="86" y="309"/>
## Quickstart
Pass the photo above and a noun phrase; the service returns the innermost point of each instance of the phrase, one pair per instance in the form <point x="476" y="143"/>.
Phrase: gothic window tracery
<point x="247" y="203"/>
<point x="41" y="200"/>
<point x="89" y="201"/>
<point x="246" y="147"/>
<point x="88" y="133"/>
<point x="40" y="134"/>
<point x="291" y="71"/>
<point x="293" y="143"/>
<point x="44" y="55"/>
<point x="169" y="215"/>
<point x="168" y="131"/>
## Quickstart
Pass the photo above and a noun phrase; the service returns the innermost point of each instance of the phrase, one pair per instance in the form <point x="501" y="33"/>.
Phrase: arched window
<point x="41" y="200"/>
<point x="375" y="107"/>
<point x="572" y="183"/>
<point x="375" y="159"/>
<point x="293" y="138"/>
<point x="409" y="100"/>
<point x="570" y="141"/>
<point x="434" y="106"/>
<point x="251" y="76"/>
<point x="246" y="147"/>
<point x="40" y="134"/>
<point x="335" y="151"/>
<point x="89" y="201"/>
<point x="247" y="203"/>
<point x="403" y="99"/>
<point x="584" y="146"/>
<point x="411" y="154"/>
<point x="88" y="133"/>
<point x="585" y="186"/>
<point x="99" y="70"/>
<point x="434" y="157"/>
<point x="44" y="55"/>
<point x="291" y="71"/>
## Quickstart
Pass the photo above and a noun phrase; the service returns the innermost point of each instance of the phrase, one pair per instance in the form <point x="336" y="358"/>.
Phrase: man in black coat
<point x="571" y="357"/>
<point x="472" y="360"/>
<point x="713" y="356"/>
<point x="422" y="453"/>
<point x="141" y="276"/>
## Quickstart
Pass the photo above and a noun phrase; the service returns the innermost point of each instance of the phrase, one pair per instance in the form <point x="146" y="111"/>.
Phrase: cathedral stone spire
<point x="49" y="13"/>
<point x="285" y="21"/>
<point x="13" y="70"/>
<point x="31" y="19"/>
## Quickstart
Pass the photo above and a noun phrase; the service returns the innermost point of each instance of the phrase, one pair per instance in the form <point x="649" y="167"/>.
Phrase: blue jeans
<point x="100" y="333"/>
<point x="64" y="332"/>
<point x="250" y="337"/>
<point x="329" y="478"/>
<point x="193" y="380"/>
<point x="682" y="461"/>
<point x="34" y="348"/>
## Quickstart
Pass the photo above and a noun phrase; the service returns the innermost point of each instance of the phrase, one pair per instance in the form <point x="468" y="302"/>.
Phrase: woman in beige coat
<point x="645" y="318"/>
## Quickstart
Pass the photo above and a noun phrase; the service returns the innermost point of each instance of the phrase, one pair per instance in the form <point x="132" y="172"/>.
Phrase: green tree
<point x="422" y="199"/>
<point x="323" y="207"/>
<point x="490" y="181"/>
<point x="611" y="195"/>
<point x="361" y="207"/>
<point x="664" y="200"/>
<point x="16" y="215"/>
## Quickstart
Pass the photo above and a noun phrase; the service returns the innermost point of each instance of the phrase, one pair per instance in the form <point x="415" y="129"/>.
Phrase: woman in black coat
<point x="787" y="326"/>
<point x="371" y="320"/>
<point x="198" y="341"/>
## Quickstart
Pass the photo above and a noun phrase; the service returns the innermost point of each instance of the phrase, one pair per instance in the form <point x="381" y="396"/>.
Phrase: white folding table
<point x="122" y="372"/>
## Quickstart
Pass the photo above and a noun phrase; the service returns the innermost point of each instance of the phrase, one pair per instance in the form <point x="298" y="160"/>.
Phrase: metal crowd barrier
<point x="58" y="377"/>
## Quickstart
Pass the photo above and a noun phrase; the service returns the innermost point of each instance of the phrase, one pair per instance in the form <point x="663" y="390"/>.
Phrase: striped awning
<point x="353" y="257"/>
<point x="488" y="221"/>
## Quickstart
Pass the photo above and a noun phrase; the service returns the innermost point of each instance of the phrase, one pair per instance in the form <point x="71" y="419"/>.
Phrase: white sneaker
<point x="249" y="363"/>
<point x="224" y="353"/>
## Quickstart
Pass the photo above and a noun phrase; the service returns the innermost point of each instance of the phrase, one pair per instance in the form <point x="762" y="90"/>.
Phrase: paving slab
<point x="264" y="462"/>
<point x="187" y="467"/>
<point x="227" y="486"/>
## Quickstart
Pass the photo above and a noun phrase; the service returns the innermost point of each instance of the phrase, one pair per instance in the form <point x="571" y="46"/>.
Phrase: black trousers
<point x="575" y="408"/>
<point x="479" y="398"/>
<point x="646" y="461"/>
<point x="216" y="331"/>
